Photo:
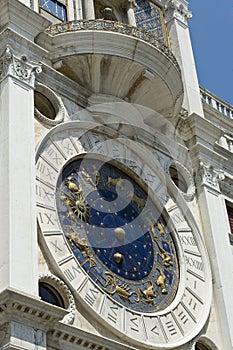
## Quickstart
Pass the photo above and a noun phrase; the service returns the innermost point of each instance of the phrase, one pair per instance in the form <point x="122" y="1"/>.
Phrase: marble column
<point x="89" y="9"/>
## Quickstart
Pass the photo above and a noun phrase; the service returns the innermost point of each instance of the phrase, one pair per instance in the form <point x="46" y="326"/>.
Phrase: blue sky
<point x="211" y="30"/>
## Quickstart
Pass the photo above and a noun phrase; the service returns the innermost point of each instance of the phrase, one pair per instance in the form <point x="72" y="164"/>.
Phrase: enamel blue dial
<point x="117" y="234"/>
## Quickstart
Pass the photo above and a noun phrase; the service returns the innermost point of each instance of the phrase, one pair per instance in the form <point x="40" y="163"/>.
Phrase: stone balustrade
<point x="112" y="26"/>
<point x="220" y="105"/>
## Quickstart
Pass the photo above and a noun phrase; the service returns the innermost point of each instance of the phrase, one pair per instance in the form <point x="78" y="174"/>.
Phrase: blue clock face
<point x="117" y="234"/>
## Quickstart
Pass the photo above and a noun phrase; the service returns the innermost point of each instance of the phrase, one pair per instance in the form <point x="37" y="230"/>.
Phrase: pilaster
<point x="18" y="249"/>
<point x="212" y="211"/>
<point x="177" y="15"/>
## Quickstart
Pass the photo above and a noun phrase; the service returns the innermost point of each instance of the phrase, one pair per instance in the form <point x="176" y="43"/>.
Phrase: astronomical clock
<point x="119" y="233"/>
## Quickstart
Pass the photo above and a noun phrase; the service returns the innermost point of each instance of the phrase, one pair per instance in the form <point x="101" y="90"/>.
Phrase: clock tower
<point x="116" y="180"/>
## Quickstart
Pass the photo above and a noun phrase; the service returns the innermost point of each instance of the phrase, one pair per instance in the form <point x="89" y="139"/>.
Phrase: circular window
<point x="182" y="178"/>
<point x="44" y="106"/>
<point x="50" y="295"/>
<point x="49" y="108"/>
<point x="54" y="291"/>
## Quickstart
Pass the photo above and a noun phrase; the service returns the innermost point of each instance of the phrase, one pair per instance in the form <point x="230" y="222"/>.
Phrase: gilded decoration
<point x="17" y="67"/>
<point x="99" y="206"/>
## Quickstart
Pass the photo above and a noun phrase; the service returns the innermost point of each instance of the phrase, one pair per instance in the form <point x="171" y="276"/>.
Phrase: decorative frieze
<point x="19" y="68"/>
<point x="177" y="9"/>
<point x="208" y="175"/>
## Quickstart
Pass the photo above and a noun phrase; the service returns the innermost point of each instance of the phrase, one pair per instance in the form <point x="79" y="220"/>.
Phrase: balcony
<point x="215" y="102"/>
<point x="112" y="58"/>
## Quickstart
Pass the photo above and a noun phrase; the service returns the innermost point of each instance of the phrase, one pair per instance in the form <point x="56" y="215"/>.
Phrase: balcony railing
<point x="112" y="26"/>
<point x="218" y="104"/>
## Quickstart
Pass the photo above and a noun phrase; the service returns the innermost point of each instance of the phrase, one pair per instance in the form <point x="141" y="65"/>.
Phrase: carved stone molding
<point x="18" y="306"/>
<point x="56" y="102"/>
<point x="177" y="9"/>
<point x="19" y="68"/>
<point x="206" y="174"/>
<point x="112" y="26"/>
<point x="65" y="292"/>
<point x="185" y="173"/>
<point x="72" y="338"/>
<point x="182" y="117"/>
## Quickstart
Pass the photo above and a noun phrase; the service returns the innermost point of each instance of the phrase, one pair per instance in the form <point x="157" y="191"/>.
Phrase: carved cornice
<point x="177" y="9"/>
<point x="74" y="338"/>
<point x="19" y="68"/>
<point x="206" y="174"/>
<point x="16" y="306"/>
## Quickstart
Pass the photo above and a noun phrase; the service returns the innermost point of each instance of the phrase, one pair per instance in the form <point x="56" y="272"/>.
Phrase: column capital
<point x="206" y="174"/>
<point x="177" y="9"/>
<point x="19" y="68"/>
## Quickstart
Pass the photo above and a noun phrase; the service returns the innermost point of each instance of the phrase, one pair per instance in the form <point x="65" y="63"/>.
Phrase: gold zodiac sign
<point x="76" y="189"/>
<point x="74" y="201"/>
<point x="152" y="227"/>
<point x="114" y="182"/>
<point x="90" y="259"/>
<point x="166" y="259"/>
<point x="148" y="294"/>
<point x="160" y="227"/>
<point x="123" y="290"/>
<point x="161" y="281"/>
<point x="140" y="202"/>
<point x="80" y="243"/>
<point x="87" y="177"/>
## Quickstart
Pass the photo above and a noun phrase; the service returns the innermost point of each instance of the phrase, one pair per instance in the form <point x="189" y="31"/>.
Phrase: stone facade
<point x="101" y="86"/>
